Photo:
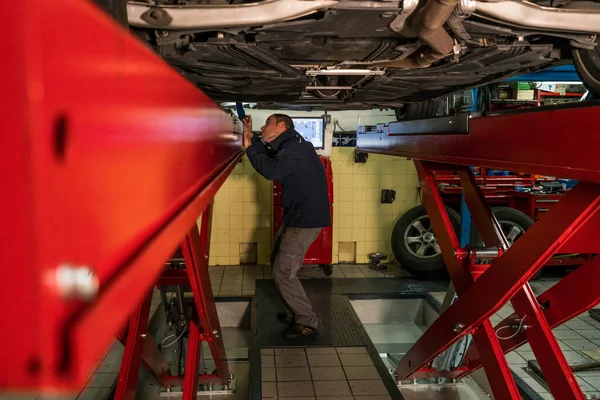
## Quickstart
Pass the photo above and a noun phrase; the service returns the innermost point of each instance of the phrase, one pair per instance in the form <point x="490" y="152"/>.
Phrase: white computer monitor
<point x="312" y="129"/>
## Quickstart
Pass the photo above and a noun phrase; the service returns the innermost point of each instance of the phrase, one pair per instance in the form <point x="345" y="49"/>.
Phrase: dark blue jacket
<point x="294" y="163"/>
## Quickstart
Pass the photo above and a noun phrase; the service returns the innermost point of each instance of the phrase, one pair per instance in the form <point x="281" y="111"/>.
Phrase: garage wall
<point x="363" y="225"/>
<point x="242" y="215"/>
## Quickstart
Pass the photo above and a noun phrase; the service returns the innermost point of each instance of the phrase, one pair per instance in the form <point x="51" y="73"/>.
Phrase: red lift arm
<point x="109" y="158"/>
<point x="558" y="142"/>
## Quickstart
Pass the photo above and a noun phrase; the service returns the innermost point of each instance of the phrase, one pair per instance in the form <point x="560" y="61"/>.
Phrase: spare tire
<point x="587" y="65"/>
<point x="414" y="243"/>
<point x="514" y="224"/>
<point x="422" y="110"/>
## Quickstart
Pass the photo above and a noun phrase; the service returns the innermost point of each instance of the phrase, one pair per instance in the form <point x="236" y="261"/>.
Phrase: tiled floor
<point x="328" y="373"/>
<point x="226" y="281"/>
<point x="578" y="338"/>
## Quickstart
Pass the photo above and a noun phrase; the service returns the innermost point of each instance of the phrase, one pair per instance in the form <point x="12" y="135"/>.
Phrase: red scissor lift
<point x="110" y="157"/>
<point x="559" y="142"/>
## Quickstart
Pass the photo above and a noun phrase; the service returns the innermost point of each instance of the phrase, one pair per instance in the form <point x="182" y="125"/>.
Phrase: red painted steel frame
<point x="570" y="226"/>
<point x="466" y="316"/>
<point x="195" y="252"/>
<point x="140" y="347"/>
<point x="109" y="157"/>
<point x="132" y="357"/>
<point x="491" y="143"/>
<point x="497" y="368"/>
<point x="152" y="359"/>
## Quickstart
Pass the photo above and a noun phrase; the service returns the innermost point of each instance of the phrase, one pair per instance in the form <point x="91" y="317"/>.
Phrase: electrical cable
<point x="337" y="123"/>
<point x="163" y="345"/>
<point x="508" y="326"/>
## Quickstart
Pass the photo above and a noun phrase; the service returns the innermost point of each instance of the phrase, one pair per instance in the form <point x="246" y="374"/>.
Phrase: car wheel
<point x="422" y="110"/>
<point x="514" y="224"/>
<point x="587" y="64"/>
<point x="414" y="244"/>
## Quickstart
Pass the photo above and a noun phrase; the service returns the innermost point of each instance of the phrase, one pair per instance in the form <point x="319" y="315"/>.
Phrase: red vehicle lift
<point x="570" y="143"/>
<point x="110" y="157"/>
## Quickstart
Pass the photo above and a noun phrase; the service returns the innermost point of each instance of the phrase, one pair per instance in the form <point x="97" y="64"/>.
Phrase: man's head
<point x="275" y="125"/>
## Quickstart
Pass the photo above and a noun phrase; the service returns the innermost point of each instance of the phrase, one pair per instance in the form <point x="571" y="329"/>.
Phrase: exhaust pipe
<point x="533" y="16"/>
<point x="428" y="24"/>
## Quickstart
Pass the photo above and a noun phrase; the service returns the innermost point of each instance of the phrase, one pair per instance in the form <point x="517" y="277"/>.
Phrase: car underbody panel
<point x="352" y="54"/>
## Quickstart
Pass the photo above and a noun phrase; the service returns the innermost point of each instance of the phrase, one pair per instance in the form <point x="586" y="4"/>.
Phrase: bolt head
<point x="76" y="282"/>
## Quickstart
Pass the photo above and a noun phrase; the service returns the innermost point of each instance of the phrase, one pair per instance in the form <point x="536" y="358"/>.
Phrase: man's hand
<point x="248" y="131"/>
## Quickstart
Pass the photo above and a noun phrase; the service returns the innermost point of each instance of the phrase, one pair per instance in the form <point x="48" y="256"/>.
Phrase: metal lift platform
<point x="110" y="160"/>
<point x="557" y="141"/>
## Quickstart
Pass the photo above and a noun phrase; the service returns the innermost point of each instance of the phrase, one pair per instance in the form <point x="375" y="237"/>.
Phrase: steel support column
<point x="195" y="250"/>
<point x="190" y="382"/>
<point x="132" y="357"/>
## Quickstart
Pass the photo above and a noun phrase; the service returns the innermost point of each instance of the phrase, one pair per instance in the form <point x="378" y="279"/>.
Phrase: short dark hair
<point x="285" y="119"/>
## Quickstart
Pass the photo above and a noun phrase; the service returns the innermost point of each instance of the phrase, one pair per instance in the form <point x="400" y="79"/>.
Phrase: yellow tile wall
<point x="242" y="213"/>
<point x="243" y="207"/>
<point x="359" y="217"/>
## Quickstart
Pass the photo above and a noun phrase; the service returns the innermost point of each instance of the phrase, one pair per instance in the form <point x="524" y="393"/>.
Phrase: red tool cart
<point x="320" y="250"/>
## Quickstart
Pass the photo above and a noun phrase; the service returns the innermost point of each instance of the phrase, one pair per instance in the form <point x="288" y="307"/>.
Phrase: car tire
<point x="587" y="64"/>
<point x="430" y="265"/>
<point x="117" y="9"/>
<point x="422" y="110"/>
<point x="514" y="224"/>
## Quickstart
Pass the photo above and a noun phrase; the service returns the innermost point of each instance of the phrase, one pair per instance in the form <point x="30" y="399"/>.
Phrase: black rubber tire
<point x="502" y="214"/>
<point x="327" y="269"/>
<point x="587" y="64"/>
<point x="422" y="110"/>
<point x="505" y="214"/>
<point x="117" y="9"/>
<point x="422" y="267"/>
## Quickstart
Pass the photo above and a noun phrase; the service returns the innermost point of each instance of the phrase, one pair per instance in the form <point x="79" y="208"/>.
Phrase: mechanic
<point x="283" y="155"/>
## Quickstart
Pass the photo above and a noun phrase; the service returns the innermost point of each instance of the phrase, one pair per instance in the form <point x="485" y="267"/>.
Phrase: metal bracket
<point x="209" y="390"/>
<point x="360" y="157"/>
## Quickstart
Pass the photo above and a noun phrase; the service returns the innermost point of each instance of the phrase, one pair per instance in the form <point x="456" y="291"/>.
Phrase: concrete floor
<point x="579" y="338"/>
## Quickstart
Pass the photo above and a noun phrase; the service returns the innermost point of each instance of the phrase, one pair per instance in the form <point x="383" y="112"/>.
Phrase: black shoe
<point x="298" y="331"/>
<point x="285" y="318"/>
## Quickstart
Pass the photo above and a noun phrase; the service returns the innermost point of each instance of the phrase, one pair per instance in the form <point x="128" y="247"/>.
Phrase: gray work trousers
<point x="289" y="247"/>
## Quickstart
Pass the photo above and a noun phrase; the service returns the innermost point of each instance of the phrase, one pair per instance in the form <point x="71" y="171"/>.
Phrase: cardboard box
<point x="525" y="94"/>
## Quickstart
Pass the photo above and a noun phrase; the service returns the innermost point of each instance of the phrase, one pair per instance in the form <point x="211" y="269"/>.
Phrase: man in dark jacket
<point x="292" y="161"/>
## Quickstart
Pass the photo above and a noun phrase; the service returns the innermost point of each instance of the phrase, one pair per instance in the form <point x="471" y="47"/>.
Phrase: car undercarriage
<point x="351" y="54"/>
